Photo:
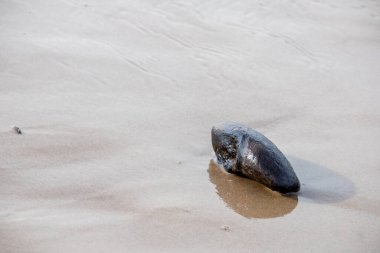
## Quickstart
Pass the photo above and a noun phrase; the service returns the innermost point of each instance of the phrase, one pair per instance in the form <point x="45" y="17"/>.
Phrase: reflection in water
<point x="248" y="198"/>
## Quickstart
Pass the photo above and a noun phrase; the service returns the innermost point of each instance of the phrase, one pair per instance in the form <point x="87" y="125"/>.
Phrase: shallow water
<point x="116" y="102"/>
<point x="248" y="198"/>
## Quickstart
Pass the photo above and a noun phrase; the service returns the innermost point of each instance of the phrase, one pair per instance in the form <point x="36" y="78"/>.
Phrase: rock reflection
<point x="248" y="198"/>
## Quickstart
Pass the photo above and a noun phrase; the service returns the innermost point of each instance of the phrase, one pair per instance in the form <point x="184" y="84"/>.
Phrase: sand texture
<point x="116" y="100"/>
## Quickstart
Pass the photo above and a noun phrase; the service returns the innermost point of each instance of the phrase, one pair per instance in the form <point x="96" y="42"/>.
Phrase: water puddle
<point x="248" y="198"/>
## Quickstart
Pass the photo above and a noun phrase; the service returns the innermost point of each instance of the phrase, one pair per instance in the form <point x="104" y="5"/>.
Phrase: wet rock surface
<point x="246" y="152"/>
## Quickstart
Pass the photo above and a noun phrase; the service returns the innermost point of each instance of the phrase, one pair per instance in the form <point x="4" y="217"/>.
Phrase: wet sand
<point x="116" y="102"/>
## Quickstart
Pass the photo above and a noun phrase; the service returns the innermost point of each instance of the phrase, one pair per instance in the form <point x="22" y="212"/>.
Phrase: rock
<point x="246" y="152"/>
<point x="17" y="130"/>
<point x="225" y="228"/>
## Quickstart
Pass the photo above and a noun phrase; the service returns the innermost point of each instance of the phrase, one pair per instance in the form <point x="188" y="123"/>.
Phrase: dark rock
<point x="246" y="152"/>
<point x="17" y="130"/>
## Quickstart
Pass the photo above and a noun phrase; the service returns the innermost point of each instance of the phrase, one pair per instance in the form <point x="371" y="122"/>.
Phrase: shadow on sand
<point x="320" y="184"/>
<point x="253" y="200"/>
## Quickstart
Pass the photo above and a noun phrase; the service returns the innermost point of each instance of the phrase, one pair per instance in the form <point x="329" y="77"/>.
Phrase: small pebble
<point x="17" y="129"/>
<point x="225" y="228"/>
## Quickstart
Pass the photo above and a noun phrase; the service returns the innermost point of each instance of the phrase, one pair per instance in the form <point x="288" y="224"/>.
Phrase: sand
<point x="116" y="100"/>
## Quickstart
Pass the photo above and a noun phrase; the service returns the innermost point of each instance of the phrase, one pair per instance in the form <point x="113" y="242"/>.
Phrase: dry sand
<point x="116" y="100"/>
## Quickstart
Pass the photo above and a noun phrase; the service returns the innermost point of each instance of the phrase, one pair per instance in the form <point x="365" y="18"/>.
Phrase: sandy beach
<point x="116" y="101"/>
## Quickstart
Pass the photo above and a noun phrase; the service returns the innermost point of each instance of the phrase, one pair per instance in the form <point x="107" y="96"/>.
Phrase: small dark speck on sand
<point x="17" y="130"/>
<point x="225" y="228"/>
